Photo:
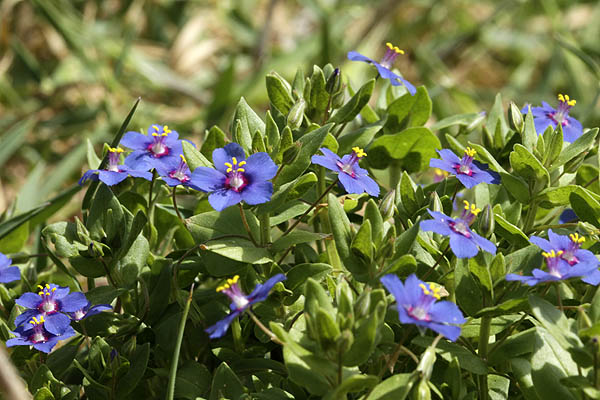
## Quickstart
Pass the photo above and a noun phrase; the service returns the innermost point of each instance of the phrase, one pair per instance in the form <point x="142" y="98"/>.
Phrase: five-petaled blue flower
<point x="417" y="304"/>
<point x="36" y="334"/>
<point x="88" y="310"/>
<point x="463" y="242"/>
<point x="115" y="172"/>
<point x="236" y="178"/>
<point x="175" y="172"/>
<point x="160" y="145"/>
<point x="353" y="178"/>
<point x="564" y="259"/>
<point x="545" y="116"/>
<point x="48" y="305"/>
<point x="8" y="273"/>
<point x="240" y="302"/>
<point x="385" y="66"/>
<point x="468" y="171"/>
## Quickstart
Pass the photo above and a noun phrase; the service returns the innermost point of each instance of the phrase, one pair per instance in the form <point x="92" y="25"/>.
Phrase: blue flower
<point x="235" y="178"/>
<point x="88" y="310"/>
<point x="463" y="242"/>
<point x="417" y="304"/>
<point x="545" y="116"/>
<point x="175" y="172"/>
<point x="35" y="334"/>
<point x="8" y="273"/>
<point x="114" y="172"/>
<point x="160" y="145"/>
<point x="48" y="305"/>
<point x="567" y="216"/>
<point x="467" y="171"/>
<point x="240" y="302"/>
<point x="385" y="66"/>
<point x="353" y="178"/>
<point x="564" y="259"/>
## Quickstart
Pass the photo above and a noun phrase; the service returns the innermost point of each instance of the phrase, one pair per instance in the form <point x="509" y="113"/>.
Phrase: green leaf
<point x="495" y="119"/>
<point x="353" y="107"/>
<point x="586" y="206"/>
<point x="582" y="144"/>
<point x="43" y="394"/>
<point x="365" y="338"/>
<point x="373" y="215"/>
<point x="516" y="187"/>
<point x="556" y="196"/>
<point x="418" y="106"/>
<point x="214" y="139"/>
<point x="318" y="95"/>
<point x="316" y="298"/>
<point x="509" y="231"/>
<point x="240" y="250"/>
<point x="193" y="157"/>
<point x="529" y="136"/>
<point x="92" y="159"/>
<point x="137" y="368"/>
<point x="395" y="387"/>
<point x="106" y="217"/>
<point x="279" y="92"/>
<point x="408" y="197"/>
<point x="447" y="350"/>
<point x="362" y="244"/>
<point x="360" y="137"/>
<point x="14" y="137"/>
<point x="354" y="383"/>
<point x="468" y="295"/>
<point x="555" y="322"/>
<point x="213" y="224"/>
<point x="296" y="237"/>
<point x="413" y="147"/>
<point x="327" y="330"/>
<point x="485" y="156"/>
<point x="298" y="274"/>
<point x="14" y="242"/>
<point x="193" y="380"/>
<point x="309" y="143"/>
<point x="226" y="384"/>
<point x="459" y="119"/>
<point x="249" y="123"/>
<point x="131" y="264"/>
<point x="527" y="166"/>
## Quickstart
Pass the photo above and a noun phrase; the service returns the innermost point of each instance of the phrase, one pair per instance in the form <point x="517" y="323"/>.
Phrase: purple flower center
<point x="182" y="172"/>
<point x="569" y="253"/>
<point x="562" y="111"/>
<point x="157" y="147"/>
<point x="348" y="166"/>
<point x="38" y="335"/>
<point x="464" y="167"/>
<point x="233" y="291"/>
<point x="48" y="305"/>
<point x="460" y="227"/>
<point x="390" y="55"/>
<point x="552" y="259"/>
<point x="113" y="159"/>
<point x="78" y="315"/>
<point x="419" y="313"/>
<point x="236" y="179"/>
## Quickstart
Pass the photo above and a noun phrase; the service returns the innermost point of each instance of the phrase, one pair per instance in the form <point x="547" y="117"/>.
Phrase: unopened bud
<point x="296" y="114"/>
<point x="345" y="341"/>
<point x="435" y="204"/>
<point x="334" y="83"/>
<point x="387" y="206"/>
<point x="423" y="392"/>
<point x="486" y="222"/>
<point x="515" y="118"/>
<point x="426" y="364"/>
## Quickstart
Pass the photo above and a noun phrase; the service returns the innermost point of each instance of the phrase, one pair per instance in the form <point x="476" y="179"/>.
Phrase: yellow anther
<point x="156" y="128"/>
<point x="230" y="282"/>
<point x="395" y="49"/>
<point x="35" y="321"/>
<point x="441" y="172"/>
<point x="576" y="238"/>
<point x="154" y="134"/>
<point x="565" y="99"/>
<point x="471" y="208"/>
<point x="234" y="160"/>
<point x="41" y="287"/>
<point x="40" y="293"/>
<point x="242" y="163"/>
<point x="47" y="286"/>
<point x="115" y="150"/>
<point x="53" y="289"/>
<point x="183" y="158"/>
<point x="359" y="152"/>
<point x="166" y="130"/>
<point x="553" y="254"/>
<point x="234" y="166"/>
<point x="470" y="152"/>
<point x="431" y="291"/>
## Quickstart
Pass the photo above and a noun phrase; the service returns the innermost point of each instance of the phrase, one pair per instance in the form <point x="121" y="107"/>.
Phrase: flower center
<point x="348" y="166"/>
<point x="182" y="171"/>
<point x="418" y="313"/>
<point x="460" y="227"/>
<point x="38" y="330"/>
<point x="236" y="179"/>
<point x="562" y="111"/>
<point x="464" y="167"/>
<point x="157" y="147"/>
<point x="552" y="262"/>
<point x="233" y="291"/>
<point x="49" y="306"/>
<point x="113" y="159"/>
<point x="390" y="55"/>
<point x="78" y="315"/>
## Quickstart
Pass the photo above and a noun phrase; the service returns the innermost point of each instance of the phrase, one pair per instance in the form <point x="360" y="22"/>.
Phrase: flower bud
<point x="386" y="208"/>
<point x="515" y="118"/>
<point x="435" y="204"/>
<point x="423" y="392"/>
<point x="334" y="83"/>
<point x="296" y="114"/>
<point x="425" y="366"/>
<point x="486" y="222"/>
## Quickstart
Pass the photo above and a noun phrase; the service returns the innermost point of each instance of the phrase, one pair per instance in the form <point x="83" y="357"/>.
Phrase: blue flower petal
<point x="223" y="198"/>
<point x="136" y="140"/>
<point x="369" y="185"/>
<point x="111" y="178"/>
<point x="483" y="243"/>
<point x="326" y="162"/>
<point x="261" y="291"/>
<point x="356" y="56"/>
<point x="350" y="184"/>
<point x="449" y="156"/>
<point x="73" y="302"/>
<point x="451" y="332"/>
<point x="542" y="123"/>
<point x="57" y="323"/>
<point x="29" y="300"/>
<point x="432" y="225"/>
<point x="443" y="165"/>
<point x="26" y="316"/>
<point x="567" y="216"/>
<point x="446" y="311"/>
<point x="224" y="155"/>
<point x="207" y="179"/>
<point x="220" y="328"/>
<point x="259" y="166"/>
<point x="542" y="243"/>
<point x="593" y="278"/>
<point x="462" y="246"/>
<point x="572" y="130"/>
<point x="10" y="274"/>
<point x="257" y="192"/>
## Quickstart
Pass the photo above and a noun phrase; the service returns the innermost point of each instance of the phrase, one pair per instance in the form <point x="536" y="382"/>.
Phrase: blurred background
<point x="70" y="70"/>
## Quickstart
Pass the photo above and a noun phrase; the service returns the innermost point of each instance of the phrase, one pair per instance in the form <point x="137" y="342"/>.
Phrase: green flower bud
<point x="345" y="341"/>
<point x="515" y="118"/>
<point x="296" y="114"/>
<point x="387" y="206"/>
<point x="486" y="222"/>
<point x="334" y="83"/>
<point x="338" y="100"/>
<point x="435" y="204"/>
<point x="426" y="364"/>
<point x="423" y="392"/>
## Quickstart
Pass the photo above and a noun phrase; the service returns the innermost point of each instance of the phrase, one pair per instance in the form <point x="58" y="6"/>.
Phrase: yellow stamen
<point x="166" y="130"/>
<point x="471" y="208"/>
<point x="183" y="158"/>
<point x="395" y="49"/>
<point x="470" y="152"/>
<point x="41" y="287"/>
<point x="359" y="152"/>
<point x="576" y="238"/>
<point x="115" y="150"/>
<point x="35" y="321"/>
<point x="234" y="166"/>
<point x="156" y="128"/>
<point x="565" y="99"/>
<point x="552" y="254"/>
<point x="242" y="163"/>
<point x="230" y="282"/>
<point x="432" y="291"/>
<point x="441" y="172"/>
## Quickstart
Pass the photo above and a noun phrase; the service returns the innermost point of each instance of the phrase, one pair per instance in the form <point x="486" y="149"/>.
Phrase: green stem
<point x="530" y="217"/>
<point x="265" y="229"/>
<point x="175" y="206"/>
<point x="552" y="226"/>
<point x="150" y="200"/>
<point x="313" y="205"/>
<point x="246" y="226"/>
<point x="266" y="330"/>
<point x="482" y="350"/>
<point x="175" y="360"/>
